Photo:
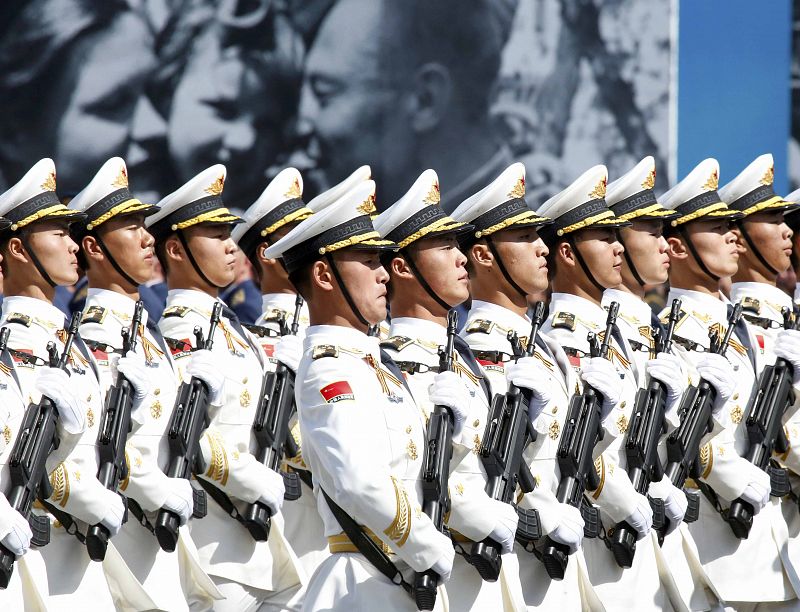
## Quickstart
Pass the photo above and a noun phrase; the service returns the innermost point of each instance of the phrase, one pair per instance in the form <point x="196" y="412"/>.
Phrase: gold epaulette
<point x="18" y="317"/>
<point x="564" y="320"/>
<point x="480" y="326"/>
<point x="94" y="314"/>
<point x="324" y="350"/>
<point x="397" y="343"/>
<point x="176" y="311"/>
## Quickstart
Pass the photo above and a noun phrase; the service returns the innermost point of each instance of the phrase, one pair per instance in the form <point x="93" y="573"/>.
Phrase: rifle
<point x="683" y="444"/>
<point x="36" y="440"/>
<point x="187" y="423"/>
<point x="641" y="450"/>
<point x="765" y="432"/>
<point x="436" y="470"/>
<point x="583" y="429"/>
<point x="271" y="429"/>
<point x="114" y="431"/>
<point x="508" y="432"/>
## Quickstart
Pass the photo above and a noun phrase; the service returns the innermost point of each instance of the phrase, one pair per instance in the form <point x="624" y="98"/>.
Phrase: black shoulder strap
<point x="744" y="337"/>
<point x="366" y="546"/>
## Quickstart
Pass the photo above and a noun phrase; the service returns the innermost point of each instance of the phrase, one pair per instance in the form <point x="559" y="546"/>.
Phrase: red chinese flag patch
<point x="181" y="348"/>
<point x="574" y="360"/>
<point x="760" y="340"/>
<point x="336" y="392"/>
<point x="100" y="356"/>
<point x="269" y="349"/>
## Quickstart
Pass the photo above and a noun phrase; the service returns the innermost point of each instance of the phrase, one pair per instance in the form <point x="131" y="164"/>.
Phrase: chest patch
<point x="337" y="392"/>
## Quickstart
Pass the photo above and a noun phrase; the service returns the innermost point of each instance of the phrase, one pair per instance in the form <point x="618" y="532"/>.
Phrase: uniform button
<point x="244" y="380"/>
<point x="555" y="409"/>
<point x="623" y="404"/>
<point x="735" y="396"/>
<point x="408" y="429"/>
<point x="157" y="392"/>
<point x="476" y="423"/>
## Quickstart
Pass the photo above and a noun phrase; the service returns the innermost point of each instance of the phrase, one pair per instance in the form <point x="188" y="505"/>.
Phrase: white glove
<point x="444" y="565"/>
<point x="505" y="528"/>
<point x="666" y="368"/>
<point x="273" y="491"/>
<point x="133" y="367"/>
<point x="180" y="499"/>
<point x="54" y="383"/>
<point x="530" y="373"/>
<point x="569" y="530"/>
<point x="16" y="536"/>
<point x="641" y="519"/>
<point x="115" y="511"/>
<point x="675" y="502"/>
<point x="203" y="366"/>
<point x="289" y="351"/>
<point x="448" y="390"/>
<point x="601" y="374"/>
<point x="787" y="346"/>
<point x="719" y="373"/>
<point x="756" y="493"/>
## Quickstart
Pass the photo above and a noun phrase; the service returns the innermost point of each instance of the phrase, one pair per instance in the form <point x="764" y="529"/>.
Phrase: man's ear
<point x="91" y="248"/>
<point x="432" y="95"/>
<point x="15" y="251"/>
<point x="676" y="248"/>
<point x="565" y="256"/>
<point x="321" y="275"/>
<point x="481" y="255"/>
<point x="399" y="268"/>
<point x="174" y="249"/>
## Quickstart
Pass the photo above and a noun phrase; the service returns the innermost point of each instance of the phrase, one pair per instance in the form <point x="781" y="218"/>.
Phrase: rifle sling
<point x="366" y="546"/>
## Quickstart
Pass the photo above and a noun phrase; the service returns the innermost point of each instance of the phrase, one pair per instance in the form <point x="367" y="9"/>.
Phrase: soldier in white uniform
<point x="428" y="278"/>
<point x="507" y="263"/>
<point x="193" y="243"/>
<point x="39" y="255"/>
<point x="765" y="242"/>
<point x="357" y="418"/>
<point x="116" y="253"/>
<point x="584" y="259"/>
<point x="702" y="250"/>
<point x="277" y="210"/>
<point x="645" y="262"/>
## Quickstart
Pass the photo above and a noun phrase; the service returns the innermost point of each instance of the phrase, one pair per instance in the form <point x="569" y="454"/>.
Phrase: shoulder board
<point x="397" y="343"/>
<point x="324" y="350"/>
<point x="682" y="315"/>
<point x="18" y="317"/>
<point x="276" y="314"/>
<point x="751" y="304"/>
<point x="176" y="311"/>
<point x="94" y="314"/>
<point x="480" y="326"/>
<point x="564" y="320"/>
<point x="261" y="331"/>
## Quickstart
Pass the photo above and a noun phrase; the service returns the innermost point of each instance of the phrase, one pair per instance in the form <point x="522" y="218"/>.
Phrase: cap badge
<point x="599" y="191"/>
<point x="50" y="182"/>
<point x="367" y="207"/>
<point x="519" y="189"/>
<point x="433" y="196"/>
<point x="215" y="188"/>
<point x="769" y="176"/>
<point x="294" y="190"/>
<point x="122" y="178"/>
<point x="712" y="183"/>
<point x="650" y="181"/>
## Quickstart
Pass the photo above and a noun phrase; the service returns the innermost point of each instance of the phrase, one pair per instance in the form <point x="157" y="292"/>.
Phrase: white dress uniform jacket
<point x="569" y="322"/>
<point x="225" y="547"/>
<point x="74" y="581"/>
<point x="750" y="570"/>
<point x="106" y="314"/>
<point x="486" y="330"/>
<point x="363" y="437"/>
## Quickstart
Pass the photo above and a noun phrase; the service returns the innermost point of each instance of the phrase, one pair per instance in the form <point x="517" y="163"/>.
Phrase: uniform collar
<point x="767" y="295"/>
<point x="500" y="315"/>
<point x="191" y="297"/>
<point x="116" y="302"/>
<point x="412" y="327"/>
<point x="278" y="301"/>
<point x="39" y="310"/>
<point x="345" y="337"/>
<point x="630" y="306"/>
<point x="585" y="309"/>
<point x="712" y="305"/>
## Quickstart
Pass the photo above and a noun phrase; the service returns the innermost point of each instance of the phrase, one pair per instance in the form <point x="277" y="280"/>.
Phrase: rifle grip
<point x="622" y="541"/>
<point x="485" y="557"/>
<point x="166" y="529"/>
<point x="258" y="521"/>
<point x="97" y="542"/>
<point x="740" y="518"/>
<point x="425" y="584"/>
<point x="555" y="557"/>
<point x="7" y="559"/>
